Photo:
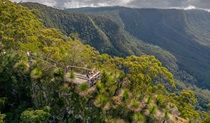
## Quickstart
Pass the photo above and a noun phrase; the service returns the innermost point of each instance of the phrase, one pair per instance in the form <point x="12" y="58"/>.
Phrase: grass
<point x="71" y="75"/>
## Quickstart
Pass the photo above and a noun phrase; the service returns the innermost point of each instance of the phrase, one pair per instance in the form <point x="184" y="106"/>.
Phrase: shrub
<point x="72" y="75"/>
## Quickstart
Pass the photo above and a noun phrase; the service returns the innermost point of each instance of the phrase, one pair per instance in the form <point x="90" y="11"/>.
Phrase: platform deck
<point x="82" y="78"/>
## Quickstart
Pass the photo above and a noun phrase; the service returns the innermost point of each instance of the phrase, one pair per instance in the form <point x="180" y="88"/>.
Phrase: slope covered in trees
<point x="185" y="34"/>
<point x="91" y="34"/>
<point x="33" y="60"/>
<point x="170" y="40"/>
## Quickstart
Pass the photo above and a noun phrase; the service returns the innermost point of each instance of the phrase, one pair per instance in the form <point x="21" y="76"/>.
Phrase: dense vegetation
<point x="87" y="28"/>
<point x="33" y="61"/>
<point x="185" y="34"/>
<point x="112" y="29"/>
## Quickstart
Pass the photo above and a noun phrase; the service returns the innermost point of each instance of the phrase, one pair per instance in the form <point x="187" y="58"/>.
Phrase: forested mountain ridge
<point x="84" y="25"/>
<point x="111" y="24"/>
<point x="100" y="32"/>
<point x="184" y="33"/>
<point x="33" y="61"/>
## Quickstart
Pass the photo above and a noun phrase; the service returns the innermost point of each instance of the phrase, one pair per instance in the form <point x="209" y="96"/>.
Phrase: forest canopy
<point x="33" y="62"/>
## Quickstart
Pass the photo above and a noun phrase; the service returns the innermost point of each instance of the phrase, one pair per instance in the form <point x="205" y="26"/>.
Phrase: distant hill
<point x="179" y="39"/>
<point x="106" y="34"/>
<point x="185" y="34"/>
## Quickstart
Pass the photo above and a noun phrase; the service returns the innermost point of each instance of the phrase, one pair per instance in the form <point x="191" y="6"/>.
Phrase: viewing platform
<point x="82" y="75"/>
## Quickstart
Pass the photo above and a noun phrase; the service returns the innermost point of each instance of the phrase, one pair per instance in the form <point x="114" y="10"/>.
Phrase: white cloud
<point x="45" y="2"/>
<point x="190" y="7"/>
<point x="186" y="4"/>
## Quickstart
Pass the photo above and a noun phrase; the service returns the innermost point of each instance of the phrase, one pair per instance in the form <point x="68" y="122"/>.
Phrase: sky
<point x="187" y="4"/>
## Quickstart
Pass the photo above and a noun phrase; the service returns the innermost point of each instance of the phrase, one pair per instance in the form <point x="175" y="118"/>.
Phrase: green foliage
<point x="208" y="105"/>
<point x="185" y="103"/>
<point x="160" y="100"/>
<point x="134" y="103"/>
<point x="37" y="116"/>
<point x="100" y="101"/>
<point x="2" y="116"/>
<point x="149" y="100"/>
<point x="22" y="66"/>
<point x="104" y="77"/>
<point x="32" y="76"/>
<point x="100" y="86"/>
<point x="83" y="87"/>
<point x="207" y="119"/>
<point x="71" y="74"/>
<point x="123" y="32"/>
<point x="138" y="117"/>
<point x="187" y="96"/>
<point x="58" y="72"/>
<point x="121" y="76"/>
<point x="36" y="73"/>
<point x="152" y="110"/>
<point x="2" y="103"/>
<point x="166" y="114"/>
<point x="125" y="95"/>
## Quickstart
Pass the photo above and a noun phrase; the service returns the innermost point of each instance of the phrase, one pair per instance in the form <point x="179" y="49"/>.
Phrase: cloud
<point x="94" y="3"/>
<point x="205" y="4"/>
<point x="159" y="3"/>
<point x="45" y="2"/>
<point x="190" y="8"/>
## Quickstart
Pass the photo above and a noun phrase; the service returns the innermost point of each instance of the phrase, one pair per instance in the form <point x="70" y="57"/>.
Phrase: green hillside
<point x="103" y="33"/>
<point x="185" y="34"/>
<point x="37" y="85"/>
<point x="87" y="28"/>
<point x="113" y="39"/>
<point x="152" y="32"/>
<point x="174" y="33"/>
